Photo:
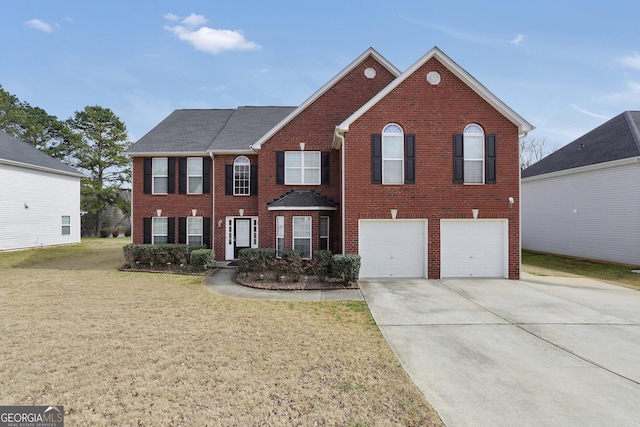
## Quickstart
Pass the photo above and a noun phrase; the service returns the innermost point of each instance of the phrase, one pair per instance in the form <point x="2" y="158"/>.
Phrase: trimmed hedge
<point x="346" y="267"/>
<point x="256" y="259"/>
<point x="159" y="254"/>
<point x="201" y="259"/>
<point x="292" y="266"/>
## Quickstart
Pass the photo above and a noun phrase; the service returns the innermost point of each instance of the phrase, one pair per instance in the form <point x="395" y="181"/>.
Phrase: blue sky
<point x="565" y="66"/>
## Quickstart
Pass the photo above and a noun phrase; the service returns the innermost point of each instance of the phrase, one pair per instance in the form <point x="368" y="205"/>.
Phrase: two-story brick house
<point x="418" y="172"/>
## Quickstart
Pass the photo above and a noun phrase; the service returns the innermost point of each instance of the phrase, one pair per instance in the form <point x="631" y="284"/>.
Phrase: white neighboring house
<point x="584" y="199"/>
<point x="39" y="199"/>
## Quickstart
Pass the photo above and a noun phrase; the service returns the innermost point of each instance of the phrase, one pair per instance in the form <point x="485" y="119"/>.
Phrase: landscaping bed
<point x="254" y="280"/>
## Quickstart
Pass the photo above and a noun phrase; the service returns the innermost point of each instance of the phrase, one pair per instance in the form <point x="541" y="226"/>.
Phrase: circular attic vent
<point x="433" y="77"/>
<point x="370" y="73"/>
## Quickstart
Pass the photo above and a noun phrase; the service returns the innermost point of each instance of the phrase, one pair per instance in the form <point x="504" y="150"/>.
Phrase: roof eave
<point x="523" y="126"/>
<point x="42" y="168"/>
<point x="369" y="52"/>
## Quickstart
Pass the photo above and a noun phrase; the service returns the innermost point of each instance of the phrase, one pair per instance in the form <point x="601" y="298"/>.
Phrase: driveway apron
<point x="537" y="352"/>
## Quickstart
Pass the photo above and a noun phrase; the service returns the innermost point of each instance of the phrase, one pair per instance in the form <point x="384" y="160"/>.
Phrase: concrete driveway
<point x="538" y="352"/>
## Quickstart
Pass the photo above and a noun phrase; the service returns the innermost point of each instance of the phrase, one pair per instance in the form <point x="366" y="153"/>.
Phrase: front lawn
<point x="122" y="348"/>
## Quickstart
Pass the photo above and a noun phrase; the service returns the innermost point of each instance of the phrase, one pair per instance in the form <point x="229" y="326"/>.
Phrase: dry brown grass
<point x="120" y="348"/>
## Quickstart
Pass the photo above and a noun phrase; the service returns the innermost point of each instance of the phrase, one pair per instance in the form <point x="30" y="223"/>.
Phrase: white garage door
<point x="473" y="248"/>
<point x="395" y="248"/>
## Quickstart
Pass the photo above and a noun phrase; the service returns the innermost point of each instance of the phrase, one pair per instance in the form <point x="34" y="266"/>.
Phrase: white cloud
<point x="39" y="25"/>
<point x="194" y="20"/>
<point x="631" y="61"/>
<point x="519" y="39"/>
<point x="171" y="17"/>
<point x="208" y="39"/>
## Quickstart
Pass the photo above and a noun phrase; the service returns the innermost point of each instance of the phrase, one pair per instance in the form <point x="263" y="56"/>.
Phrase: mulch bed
<point x="168" y="270"/>
<point x="312" y="283"/>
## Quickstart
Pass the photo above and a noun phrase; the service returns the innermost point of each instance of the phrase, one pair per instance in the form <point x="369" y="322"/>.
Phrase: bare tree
<point x="534" y="149"/>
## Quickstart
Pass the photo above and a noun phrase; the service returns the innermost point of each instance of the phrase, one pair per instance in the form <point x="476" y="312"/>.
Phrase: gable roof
<point x="468" y="79"/>
<point x="371" y="52"/>
<point x="617" y="139"/>
<point x="18" y="153"/>
<point x="199" y="131"/>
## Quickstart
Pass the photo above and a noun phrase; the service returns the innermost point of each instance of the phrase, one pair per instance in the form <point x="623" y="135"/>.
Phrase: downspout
<point x="339" y="141"/>
<point x="214" y="224"/>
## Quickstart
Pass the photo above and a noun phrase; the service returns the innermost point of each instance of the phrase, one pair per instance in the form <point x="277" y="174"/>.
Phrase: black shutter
<point x="171" y="233"/>
<point x="182" y="175"/>
<point x="182" y="230"/>
<point x="279" y="167"/>
<point x="253" y="180"/>
<point x="458" y="158"/>
<point x="206" y="231"/>
<point x="376" y="158"/>
<point x="228" y="180"/>
<point x="490" y="153"/>
<point x="148" y="175"/>
<point x="325" y="157"/>
<point x="206" y="175"/>
<point x="146" y="231"/>
<point x="410" y="159"/>
<point x="171" y="185"/>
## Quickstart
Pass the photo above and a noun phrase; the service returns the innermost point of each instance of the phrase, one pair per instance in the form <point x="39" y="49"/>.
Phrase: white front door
<point x="240" y="233"/>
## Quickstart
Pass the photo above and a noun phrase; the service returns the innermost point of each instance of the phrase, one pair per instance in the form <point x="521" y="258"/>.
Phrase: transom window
<point x="473" y="149"/>
<point x="160" y="175"/>
<point x="66" y="225"/>
<point x="302" y="167"/>
<point x="160" y="233"/>
<point x="194" y="230"/>
<point x="194" y="175"/>
<point x="241" y="176"/>
<point x="302" y="235"/>
<point x="392" y="154"/>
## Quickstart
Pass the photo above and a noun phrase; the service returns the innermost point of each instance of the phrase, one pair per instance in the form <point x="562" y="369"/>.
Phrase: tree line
<point x="92" y="141"/>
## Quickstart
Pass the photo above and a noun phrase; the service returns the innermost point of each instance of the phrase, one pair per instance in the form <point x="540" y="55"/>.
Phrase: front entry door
<point x="242" y="235"/>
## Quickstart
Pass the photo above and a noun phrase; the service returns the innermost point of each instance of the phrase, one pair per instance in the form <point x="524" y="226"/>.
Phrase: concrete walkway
<point x="223" y="282"/>
<point x="537" y="352"/>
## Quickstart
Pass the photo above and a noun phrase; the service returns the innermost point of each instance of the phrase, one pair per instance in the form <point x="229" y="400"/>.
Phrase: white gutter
<point x="343" y="196"/>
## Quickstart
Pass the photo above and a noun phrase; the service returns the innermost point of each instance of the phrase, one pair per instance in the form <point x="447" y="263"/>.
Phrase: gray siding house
<point x="584" y="199"/>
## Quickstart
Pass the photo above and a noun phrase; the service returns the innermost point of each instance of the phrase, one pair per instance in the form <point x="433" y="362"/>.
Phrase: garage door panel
<point x="394" y="248"/>
<point x="472" y="248"/>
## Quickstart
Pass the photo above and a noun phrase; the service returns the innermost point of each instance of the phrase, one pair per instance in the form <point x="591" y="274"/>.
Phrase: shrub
<point x="104" y="232"/>
<point x="290" y="266"/>
<point x="201" y="259"/>
<point x="256" y="260"/>
<point x="127" y="232"/>
<point x="320" y="264"/>
<point x="115" y="233"/>
<point x="346" y="267"/>
<point x="159" y="254"/>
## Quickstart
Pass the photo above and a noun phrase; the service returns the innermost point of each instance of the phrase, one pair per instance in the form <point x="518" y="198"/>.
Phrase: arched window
<point x="392" y="154"/>
<point x="241" y="176"/>
<point x="473" y="149"/>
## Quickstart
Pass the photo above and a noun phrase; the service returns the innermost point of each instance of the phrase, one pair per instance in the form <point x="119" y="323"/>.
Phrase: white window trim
<point x="325" y="218"/>
<point x="279" y="235"/>
<point x="475" y="160"/>
<point x="154" y="176"/>
<point x="302" y="168"/>
<point x="201" y="175"/>
<point x="246" y="165"/>
<point x="66" y="225"/>
<point x="310" y="238"/>
<point x="394" y="159"/>
<point x="153" y="229"/>
<point x="201" y="234"/>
